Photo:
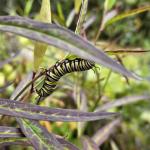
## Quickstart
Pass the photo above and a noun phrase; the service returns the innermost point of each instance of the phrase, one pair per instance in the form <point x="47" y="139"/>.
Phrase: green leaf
<point x="14" y="136"/>
<point x="61" y="38"/>
<point x="77" y="4"/>
<point x="60" y="11"/>
<point x="128" y="14"/>
<point x="40" y="48"/>
<point x="109" y="4"/>
<point x="38" y="135"/>
<point x="28" y="7"/>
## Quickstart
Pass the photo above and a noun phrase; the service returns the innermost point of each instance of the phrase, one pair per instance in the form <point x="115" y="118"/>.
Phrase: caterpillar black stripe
<point x="60" y="69"/>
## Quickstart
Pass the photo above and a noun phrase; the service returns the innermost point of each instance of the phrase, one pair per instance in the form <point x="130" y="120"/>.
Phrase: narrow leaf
<point x="28" y="7"/>
<point x="77" y="4"/>
<point x="38" y="135"/>
<point x="40" y="48"/>
<point x="10" y="132"/>
<point x="70" y="18"/>
<point x="89" y="144"/>
<point x="109" y="4"/>
<point x="128" y="14"/>
<point x="108" y="16"/>
<point x="61" y="38"/>
<point x="30" y="111"/>
<point x="103" y="133"/>
<point x="14" y="141"/>
<point x="123" y="101"/>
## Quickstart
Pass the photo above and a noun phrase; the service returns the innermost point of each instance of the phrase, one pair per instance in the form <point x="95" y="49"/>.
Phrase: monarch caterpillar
<point x="60" y="69"/>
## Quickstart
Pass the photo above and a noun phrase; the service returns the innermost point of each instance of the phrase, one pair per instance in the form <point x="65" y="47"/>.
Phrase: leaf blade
<point x="30" y="111"/>
<point x="38" y="135"/>
<point x="61" y="38"/>
<point x="128" y="14"/>
<point x="8" y="134"/>
<point x="40" y="48"/>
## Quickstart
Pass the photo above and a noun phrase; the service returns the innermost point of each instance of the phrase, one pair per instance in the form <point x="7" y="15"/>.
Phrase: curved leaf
<point x="61" y="38"/>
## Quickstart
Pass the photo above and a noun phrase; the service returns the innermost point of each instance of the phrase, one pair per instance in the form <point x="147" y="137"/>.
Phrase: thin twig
<point x="30" y="83"/>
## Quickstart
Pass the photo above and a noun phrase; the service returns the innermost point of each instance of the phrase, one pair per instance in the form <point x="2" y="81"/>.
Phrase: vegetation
<point x="106" y="107"/>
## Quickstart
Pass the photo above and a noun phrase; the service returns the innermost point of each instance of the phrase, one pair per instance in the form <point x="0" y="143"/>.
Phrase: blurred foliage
<point x="132" y="32"/>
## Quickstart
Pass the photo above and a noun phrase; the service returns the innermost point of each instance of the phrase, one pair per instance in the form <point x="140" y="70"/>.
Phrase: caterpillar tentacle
<point x="60" y="69"/>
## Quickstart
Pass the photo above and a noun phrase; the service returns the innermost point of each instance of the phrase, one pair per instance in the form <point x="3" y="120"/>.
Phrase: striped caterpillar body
<point x="60" y="69"/>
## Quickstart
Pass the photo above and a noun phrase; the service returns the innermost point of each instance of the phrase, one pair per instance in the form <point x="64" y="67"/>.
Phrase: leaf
<point x="14" y="141"/>
<point x="80" y="22"/>
<point x="123" y="101"/>
<point x="30" y="111"/>
<point x="108" y="16"/>
<point x="103" y="133"/>
<point x="128" y="14"/>
<point x="77" y="4"/>
<point x="70" y="18"/>
<point x="61" y="38"/>
<point x="40" y="48"/>
<point x="109" y="4"/>
<point x="8" y="133"/>
<point x="38" y="135"/>
<point x="28" y="7"/>
<point x="60" y="11"/>
<point x="89" y="144"/>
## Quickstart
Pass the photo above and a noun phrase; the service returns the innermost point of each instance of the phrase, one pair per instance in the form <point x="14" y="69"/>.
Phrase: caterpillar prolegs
<point x="60" y="69"/>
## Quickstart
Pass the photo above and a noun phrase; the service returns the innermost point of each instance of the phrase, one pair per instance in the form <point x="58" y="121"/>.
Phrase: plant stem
<point x="30" y="83"/>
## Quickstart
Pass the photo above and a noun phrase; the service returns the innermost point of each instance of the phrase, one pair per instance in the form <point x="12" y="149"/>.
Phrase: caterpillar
<point x="60" y="69"/>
